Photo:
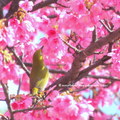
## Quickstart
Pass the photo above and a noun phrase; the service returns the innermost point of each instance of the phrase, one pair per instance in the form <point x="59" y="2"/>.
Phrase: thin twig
<point x="30" y="109"/>
<point x="50" y="70"/>
<point x="62" y="5"/>
<point x="20" y="83"/>
<point x="2" y="99"/>
<point x="94" y="35"/>
<point x="3" y="117"/>
<point x="110" y="30"/>
<point x="105" y="26"/>
<point x="103" y="77"/>
<point x="57" y="71"/>
<point x="19" y="61"/>
<point x="113" y="9"/>
<point x="72" y="47"/>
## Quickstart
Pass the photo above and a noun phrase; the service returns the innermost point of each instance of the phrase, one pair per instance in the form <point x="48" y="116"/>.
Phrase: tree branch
<point x="43" y="4"/>
<point x="30" y="109"/>
<point x="13" y="8"/>
<point x="94" y="35"/>
<point x="19" y="61"/>
<point x="103" y="77"/>
<point x="1" y="13"/>
<point x="73" y="73"/>
<point x="2" y="117"/>
<point x="106" y="26"/>
<point x="57" y="71"/>
<point x="70" y="46"/>
<point x="5" y="89"/>
<point x="113" y="9"/>
<point x="81" y="57"/>
<point x="85" y="72"/>
<point x="4" y="3"/>
<point x="2" y="100"/>
<point x="33" y="0"/>
<point x="62" y="5"/>
<point x="20" y="83"/>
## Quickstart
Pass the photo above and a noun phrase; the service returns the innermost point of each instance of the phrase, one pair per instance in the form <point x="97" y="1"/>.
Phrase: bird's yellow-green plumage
<point x="39" y="74"/>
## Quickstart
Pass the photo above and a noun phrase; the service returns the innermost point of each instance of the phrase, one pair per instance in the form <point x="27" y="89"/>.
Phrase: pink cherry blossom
<point x="73" y="22"/>
<point x="26" y="5"/>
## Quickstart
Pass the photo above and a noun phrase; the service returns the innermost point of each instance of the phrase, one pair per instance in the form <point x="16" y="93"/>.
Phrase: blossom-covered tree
<point x="81" y="50"/>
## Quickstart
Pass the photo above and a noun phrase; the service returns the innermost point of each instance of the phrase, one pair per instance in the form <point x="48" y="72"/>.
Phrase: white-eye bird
<point x="39" y="75"/>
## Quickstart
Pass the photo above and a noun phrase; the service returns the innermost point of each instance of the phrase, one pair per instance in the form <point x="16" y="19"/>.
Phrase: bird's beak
<point x="42" y="47"/>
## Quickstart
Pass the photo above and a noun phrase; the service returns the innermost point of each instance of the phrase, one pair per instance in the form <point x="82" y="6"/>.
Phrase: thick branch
<point x="33" y="0"/>
<point x="1" y="13"/>
<point x="43" y="4"/>
<point x="4" y="3"/>
<point x="102" y="42"/>
<point x="13" y="8"/>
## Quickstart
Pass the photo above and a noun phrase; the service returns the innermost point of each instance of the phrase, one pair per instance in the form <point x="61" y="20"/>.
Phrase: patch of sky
<point x="38" y="37"/>
<point x="12" y="88"/>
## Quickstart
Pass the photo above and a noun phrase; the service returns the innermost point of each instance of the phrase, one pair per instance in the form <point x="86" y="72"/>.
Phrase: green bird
<point x="39" y="75"/>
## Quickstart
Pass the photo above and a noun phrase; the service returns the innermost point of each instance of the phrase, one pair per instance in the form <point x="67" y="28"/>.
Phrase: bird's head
<point x="38" y="56"/>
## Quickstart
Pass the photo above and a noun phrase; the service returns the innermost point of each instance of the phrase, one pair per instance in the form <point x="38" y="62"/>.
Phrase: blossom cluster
<point x="71" y="21"/>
